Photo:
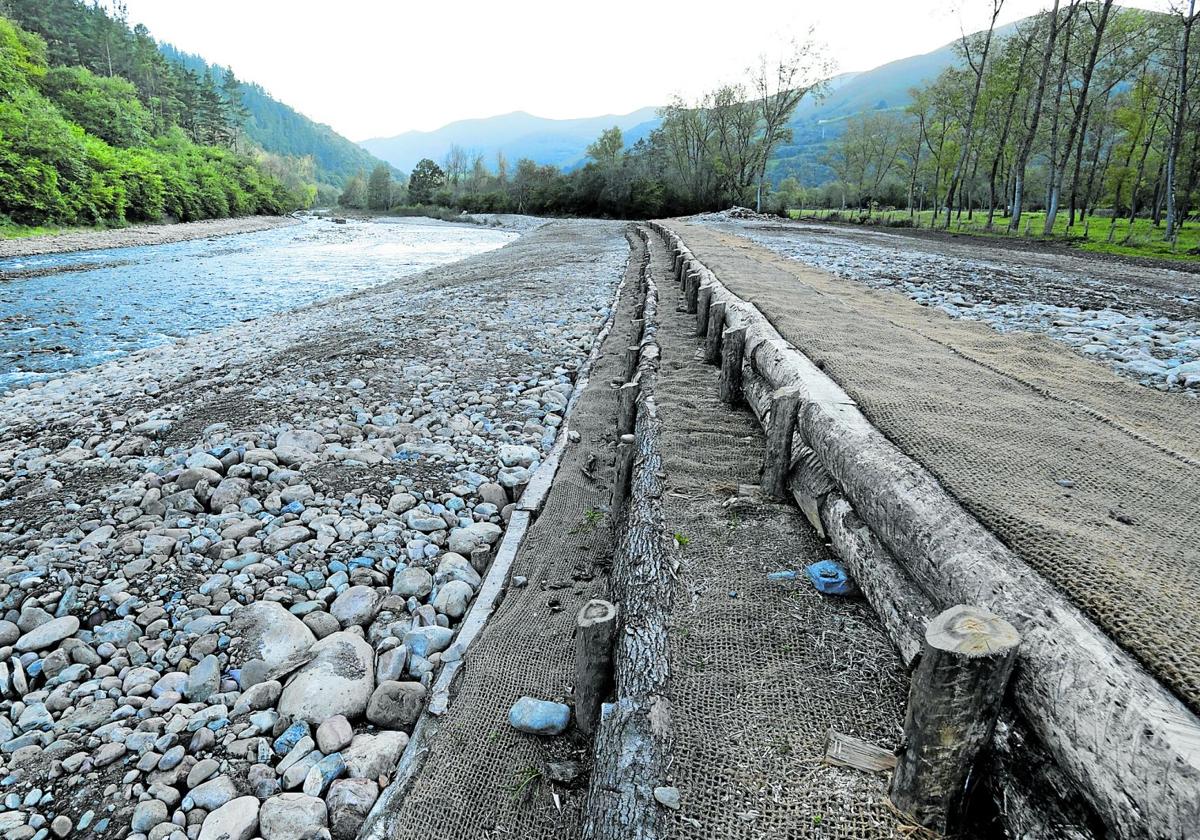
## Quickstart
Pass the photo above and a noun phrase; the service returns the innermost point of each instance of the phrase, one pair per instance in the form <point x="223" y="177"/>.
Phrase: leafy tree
<point x="106" y="107"/>
<point x="379" y="188"/>
<point x="354" y="194"/>
<point x="426" y="178"/>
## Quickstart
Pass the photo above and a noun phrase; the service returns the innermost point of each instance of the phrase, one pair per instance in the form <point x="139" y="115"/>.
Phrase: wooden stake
<point x="632" y="352"/>
<point x="714" y="331"/>
<point x="733" y="345"/>
<point x="777" y="457"/>
<point x="703" y="300"/>
<point x="692" y="292"/>
<point x="625" y="452"/>
<point x="953" y="703"/>
<point x="627" y="407"/>
<point x="595" y="627"/>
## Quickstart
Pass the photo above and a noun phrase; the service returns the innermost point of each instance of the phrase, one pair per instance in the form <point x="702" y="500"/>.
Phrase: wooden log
<point x="729" y="386"/>
<point x="624" y="468"/>
<point x="713" y="332"/>
<point x="809" y="484"/>
<point x="1141" y="768"/>
<point x="777" y="454"/>
<point x="902" y="607"/>
<point x="627" y="407"/>
<point x="595" y="629"/>
<point x="692" y="292"/>
<point x="703" y="299"/>
<point x="953" y="703"/>
<point x="631" y="360"/>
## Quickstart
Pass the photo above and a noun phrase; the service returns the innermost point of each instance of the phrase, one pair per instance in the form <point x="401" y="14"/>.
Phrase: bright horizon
<point x="364" y="72"/>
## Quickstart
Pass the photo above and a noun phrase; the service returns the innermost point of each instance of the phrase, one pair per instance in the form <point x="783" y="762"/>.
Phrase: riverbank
<point x="347" y="468"/>
<point x="84" y="239"/>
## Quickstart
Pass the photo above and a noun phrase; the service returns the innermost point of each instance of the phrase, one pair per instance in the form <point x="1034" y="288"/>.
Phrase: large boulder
<point x="48" y="634"/>
<point x="291" y="816"/>
<point x="266" y="631"/>
<point x="396" y="705"/>
<point x="338" y="681"/>
<point x="235" y="820"/>
<point x="373" y="756"/>
<point x="349" y="802"/>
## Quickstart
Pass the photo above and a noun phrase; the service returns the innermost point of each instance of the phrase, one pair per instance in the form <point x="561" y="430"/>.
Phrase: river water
<point x="60" y="312"/>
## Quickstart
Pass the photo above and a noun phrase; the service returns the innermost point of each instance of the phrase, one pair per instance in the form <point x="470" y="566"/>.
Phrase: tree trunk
<point x="953" y="703"/>
<point x="1026" y="148"/>
<point x="1180" y="116"/>
<point x="595" y="628"/>
<point x="969" y="128"/>
<point x="1059" y="167"/>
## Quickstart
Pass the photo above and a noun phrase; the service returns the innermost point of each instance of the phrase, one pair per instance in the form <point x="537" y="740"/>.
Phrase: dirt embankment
<point x="160" y="234"/>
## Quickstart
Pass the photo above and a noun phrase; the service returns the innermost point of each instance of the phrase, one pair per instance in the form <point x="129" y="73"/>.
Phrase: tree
<point x="426" y="178"/>
<point x="1179" y="115"/>
<point x="977" y="68"/>
<point x="354" y="194"/>
<point x="379" y="188"/>
<point x="606" y="150"/>
<point x="780" y="88"/>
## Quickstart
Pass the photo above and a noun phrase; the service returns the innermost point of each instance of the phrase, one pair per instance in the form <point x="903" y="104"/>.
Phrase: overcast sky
<point x="379" y="67"/>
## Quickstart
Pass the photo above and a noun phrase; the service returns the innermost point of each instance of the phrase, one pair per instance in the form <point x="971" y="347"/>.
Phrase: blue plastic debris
<point x="830" y="578"/>
<point x="787" y="574"/>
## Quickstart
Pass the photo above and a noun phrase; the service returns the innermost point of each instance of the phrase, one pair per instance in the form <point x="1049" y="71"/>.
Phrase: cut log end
<point x="595" y="612"/>
<point x="971" y="632"/>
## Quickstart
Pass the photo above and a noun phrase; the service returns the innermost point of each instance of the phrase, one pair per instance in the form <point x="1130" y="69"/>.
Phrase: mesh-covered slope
<point x="761" y="670"/>
<point x="1000" y="419"/>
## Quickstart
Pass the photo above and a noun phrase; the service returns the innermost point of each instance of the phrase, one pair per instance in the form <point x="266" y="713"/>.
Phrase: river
<point x="61" y="312"/>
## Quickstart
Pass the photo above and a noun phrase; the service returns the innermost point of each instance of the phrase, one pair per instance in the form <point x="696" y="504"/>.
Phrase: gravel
<point x="229" y="567"/>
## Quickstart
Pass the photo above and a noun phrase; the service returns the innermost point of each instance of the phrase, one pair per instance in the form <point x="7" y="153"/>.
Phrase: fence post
<point x="733" y="347"/>
<point x="777" y="457"/>
<point x="714" y="331"/>
<point x="953" y="702"/>
<point x="595" y="628"/>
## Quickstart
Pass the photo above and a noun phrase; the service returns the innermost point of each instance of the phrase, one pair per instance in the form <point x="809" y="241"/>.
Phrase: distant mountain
<point x="283" y="130"/>
<point x="518" y="135"/>
<point x="563" y="142"/>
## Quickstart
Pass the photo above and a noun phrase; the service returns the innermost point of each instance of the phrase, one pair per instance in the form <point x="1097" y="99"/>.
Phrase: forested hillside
<point x="97" y="127"/>
<point x="282" y="130"/>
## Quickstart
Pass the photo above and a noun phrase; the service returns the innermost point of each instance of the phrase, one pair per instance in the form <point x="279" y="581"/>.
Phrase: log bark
<point x="733" y="345"/>
<point x="703" y="299"/>
<point x="692" y="292"/>
<point x="777" y="454"/>
<point x="627" y="407"/>
<point x="624" y="467"/>
<point x="595" y="629"/>
<point x="902" y="607"/>
<point x="713" y="332"/>
<point x="953" y="703"/>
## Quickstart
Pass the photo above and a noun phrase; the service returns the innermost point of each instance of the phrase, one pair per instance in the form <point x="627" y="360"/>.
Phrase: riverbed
<point x="61" y="312"/>
<point x="1142" y="322"/>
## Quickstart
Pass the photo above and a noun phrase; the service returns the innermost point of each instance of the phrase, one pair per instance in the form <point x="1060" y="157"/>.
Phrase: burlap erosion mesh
<point x="482" y="779"/>
<point x="999" y="419"/>
<point x="761" y="670"/>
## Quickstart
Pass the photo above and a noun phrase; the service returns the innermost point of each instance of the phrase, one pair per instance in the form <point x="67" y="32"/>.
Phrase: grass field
<point x="24" y="232"/>
<point x="1145" y="240"/>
